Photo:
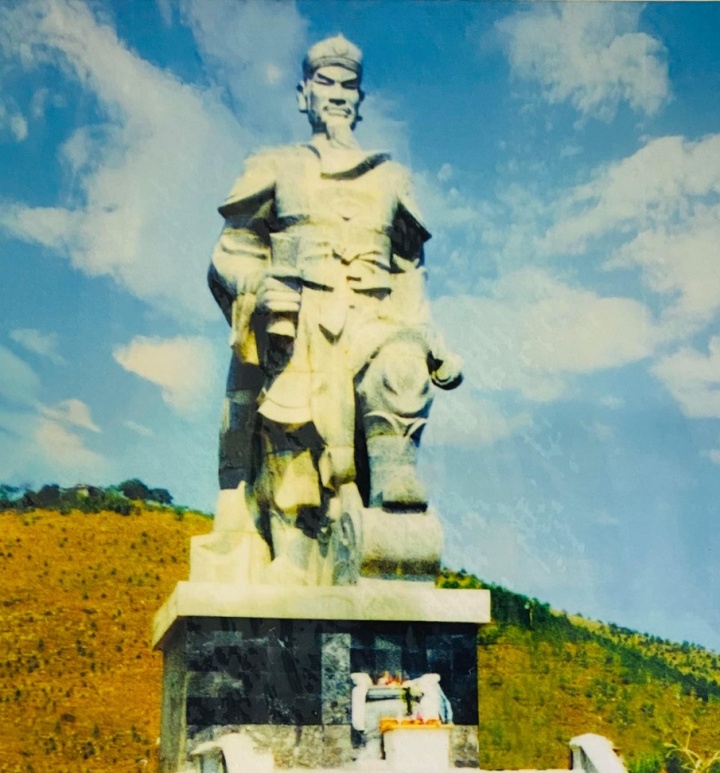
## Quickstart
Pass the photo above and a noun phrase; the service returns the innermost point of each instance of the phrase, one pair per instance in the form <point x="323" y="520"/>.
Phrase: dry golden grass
<point x="80" y="689"/>
<point x="79" y="686"/>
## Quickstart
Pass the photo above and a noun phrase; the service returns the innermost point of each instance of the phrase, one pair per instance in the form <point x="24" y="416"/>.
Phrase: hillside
<point x="545" y="677"/>
<point x="79" y="686"/>
<point x="80" y="689"/>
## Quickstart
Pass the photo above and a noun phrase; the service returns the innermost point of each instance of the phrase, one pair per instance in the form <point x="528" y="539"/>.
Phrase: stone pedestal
<point x="414" y="749"/>
<point x="274" y="663"/>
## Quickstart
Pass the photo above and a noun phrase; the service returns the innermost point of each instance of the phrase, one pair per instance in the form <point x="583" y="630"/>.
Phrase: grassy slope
<point x="537" y="693"/>
<point x="80" y="689"/>
<point x="546" y="677"/>
<point x="79" y="686"/>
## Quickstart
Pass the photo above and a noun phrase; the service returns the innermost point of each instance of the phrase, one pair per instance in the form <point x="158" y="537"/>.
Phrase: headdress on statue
<point x="337" y="51"/>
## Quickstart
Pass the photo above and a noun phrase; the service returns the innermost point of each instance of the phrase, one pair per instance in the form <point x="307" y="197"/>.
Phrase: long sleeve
<point x="242" y="252"/>
<point x="238" y="262"/>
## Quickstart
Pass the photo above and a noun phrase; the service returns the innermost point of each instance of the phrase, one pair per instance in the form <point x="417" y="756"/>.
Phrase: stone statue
<point x="319" y="272"/>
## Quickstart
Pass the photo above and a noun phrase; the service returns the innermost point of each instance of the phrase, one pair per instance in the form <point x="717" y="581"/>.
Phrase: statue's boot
<point x="293" y="554"/>
<point x="392" y="458"/>
<point x="394" y="400"/>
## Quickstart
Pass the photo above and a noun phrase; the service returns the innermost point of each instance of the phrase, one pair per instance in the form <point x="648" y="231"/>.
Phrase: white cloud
<point x="658" y="212"/>
<point x="255" y="50"/>
<point x="144" y="186"/>
<point x="66" y="450"/>
<point x="599" y="431"/>
<point x="654" y="186"/>
<point x="38" y="449"/>
<point x="72" y="412"/>
<point x="681" y="262"/>
<point x="42" y="99"/>
<point x="140" y="429"/>
<point x="144" y="179"/>
<point x="38" y="342"/>
<point x="165" y="8"/>
<point x="12" y="120"/>
<point x="52" y="227"/>
<point x="524" y="545"/>
<point x="445" y="173"/>
<point x="183" y="368"/>
<point x="693" y="379"/>
<point x="570" y="150"/>
<point x="590" y="54"/>
<point x="613" y="402"/>
<point x="380" y="130"/>
<point x="604" y="518"/>
<point x="459" y="223"/>
<point x="18" y="127"/>
<point x="532" y="331"/>
<point x="35" y="441"/>
<point x="461" y="418"/>
<point x="713" y="454"/>
<point x="273" y="74"/>
<point x="19" y="382"/>
<point x="448" y="208"/>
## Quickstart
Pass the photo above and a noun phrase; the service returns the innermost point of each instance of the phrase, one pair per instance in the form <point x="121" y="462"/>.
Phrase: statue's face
<point x="331" y="97"/>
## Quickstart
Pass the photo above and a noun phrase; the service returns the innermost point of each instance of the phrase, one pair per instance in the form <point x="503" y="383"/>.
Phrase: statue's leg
<point x="395" y="394"/>
<point x="237" y="426"/>
<point x="234" y="510"/>
<point x="238" y="547"/>
<point x="288" y="491"/>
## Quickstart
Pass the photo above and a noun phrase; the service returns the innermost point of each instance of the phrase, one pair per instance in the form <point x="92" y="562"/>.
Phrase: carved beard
<point x="340" y="134"/>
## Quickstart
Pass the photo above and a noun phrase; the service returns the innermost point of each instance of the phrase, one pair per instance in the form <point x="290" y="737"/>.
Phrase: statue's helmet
<point x="333" y="51"/>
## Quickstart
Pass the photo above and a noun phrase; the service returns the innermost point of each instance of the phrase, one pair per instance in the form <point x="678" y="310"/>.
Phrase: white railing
<point x="595" y="754"/>
<point x="235" y="753"/>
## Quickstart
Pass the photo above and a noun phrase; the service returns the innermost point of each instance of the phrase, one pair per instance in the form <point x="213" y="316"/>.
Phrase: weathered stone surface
<point x="291" y="679"/>
<point x="371" y="600"/>
<point x="335" y="657"/>
<point x="400" y="544"/>
<point x="173" y="732"/>
<point x="319" y="271"/>
<point x="464" y="751"/>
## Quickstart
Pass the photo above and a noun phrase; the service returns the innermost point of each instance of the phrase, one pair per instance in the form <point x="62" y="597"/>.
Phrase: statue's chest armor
<point x="303" y="194"/>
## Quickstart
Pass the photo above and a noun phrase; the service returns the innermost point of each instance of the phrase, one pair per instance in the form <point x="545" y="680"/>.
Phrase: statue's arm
<point x="242" y="252"/>
<point x="408" y="236"/>
<point x="238" y="262"/>
<point x="410" y="289"/>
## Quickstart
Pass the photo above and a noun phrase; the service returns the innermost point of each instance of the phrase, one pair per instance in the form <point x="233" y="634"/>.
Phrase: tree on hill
<point x="49" y="496"/>
<point x="83" y="497"/>
<point x="10" y="493"/>
<point x="136" y="489"/>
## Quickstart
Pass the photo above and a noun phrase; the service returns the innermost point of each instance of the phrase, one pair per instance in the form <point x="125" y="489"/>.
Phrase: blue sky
<point x="567" y="158"/>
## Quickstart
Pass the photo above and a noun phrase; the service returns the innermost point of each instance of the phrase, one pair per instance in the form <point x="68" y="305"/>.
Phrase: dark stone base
<point x="287" y="683"/>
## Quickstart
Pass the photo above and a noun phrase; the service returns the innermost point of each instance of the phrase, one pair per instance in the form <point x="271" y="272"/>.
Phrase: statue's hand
<point x="445" y="368"/>
<point x="447" y="374"/>
<point x="278" y="295"/>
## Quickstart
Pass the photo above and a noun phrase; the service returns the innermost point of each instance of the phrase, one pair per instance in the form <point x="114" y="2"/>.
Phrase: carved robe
<point x="344" y="228"/>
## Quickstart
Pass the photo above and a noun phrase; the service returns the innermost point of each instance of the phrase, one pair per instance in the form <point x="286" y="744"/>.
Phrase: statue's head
<point x="330" y="91"/>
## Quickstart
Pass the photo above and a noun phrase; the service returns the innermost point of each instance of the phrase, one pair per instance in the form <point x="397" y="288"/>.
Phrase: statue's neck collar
<point x="344" y="162"/>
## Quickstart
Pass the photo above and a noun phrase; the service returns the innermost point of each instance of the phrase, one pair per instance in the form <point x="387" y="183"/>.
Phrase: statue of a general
<point x="319" y="272"/>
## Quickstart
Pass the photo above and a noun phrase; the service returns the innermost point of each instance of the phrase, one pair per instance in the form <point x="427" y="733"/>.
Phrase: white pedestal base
<point x="417" y="749"/>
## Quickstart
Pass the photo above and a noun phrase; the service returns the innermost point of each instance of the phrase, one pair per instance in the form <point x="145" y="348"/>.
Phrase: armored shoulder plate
<point x="408" y="232"/>
<point x="255" y="187"/>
